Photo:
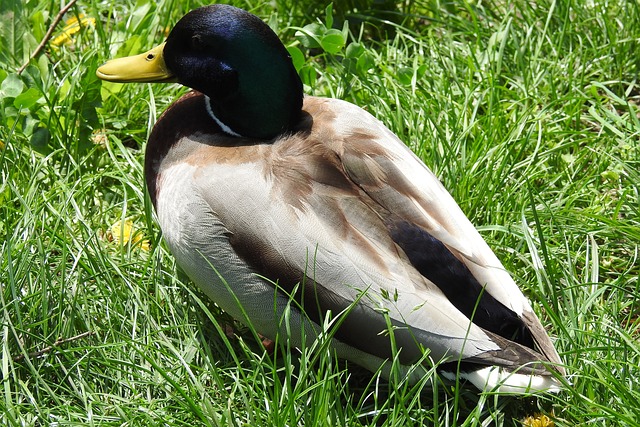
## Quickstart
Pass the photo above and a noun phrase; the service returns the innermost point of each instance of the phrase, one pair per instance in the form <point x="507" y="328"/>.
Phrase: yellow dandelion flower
<point x="144" y="244"/>
<point x="73" y="25"/>
<point x="538" y="420"/>
<point x="123" y="233"/>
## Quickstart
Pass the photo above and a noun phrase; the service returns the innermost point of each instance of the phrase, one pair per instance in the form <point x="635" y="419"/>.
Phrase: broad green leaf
<point x="345" y="30"/>
<point x="140" y="16"/>
<point x="422" y="70"/>
<point x="405" y="75"/>
<point x="132" y="46"/>
<point x="310" y="35"/>
<point x="40" y="140"/>
<point x="308" y="75"/>
<point x="328" y="19"/>
<point x="354" y="50"/>
<point x="31" y="76"/>
<point x="38" y="23"/>
<point x="365" y="63"/>
<point x="27" y="99"/>
<point x="11" y="86"/>
<point x="333" y="42"/>
<point x="297" y="57"/>
<point x="43" y="65"/>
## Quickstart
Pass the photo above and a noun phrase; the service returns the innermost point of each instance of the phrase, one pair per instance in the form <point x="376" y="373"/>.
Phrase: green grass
<point x="527" y="111"/>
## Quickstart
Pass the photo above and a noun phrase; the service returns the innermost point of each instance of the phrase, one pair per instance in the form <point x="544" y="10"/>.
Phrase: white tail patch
<point x="493" y="378"/>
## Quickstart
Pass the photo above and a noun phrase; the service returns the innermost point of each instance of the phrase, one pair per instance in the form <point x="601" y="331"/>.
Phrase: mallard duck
<point x="274" y="202"/>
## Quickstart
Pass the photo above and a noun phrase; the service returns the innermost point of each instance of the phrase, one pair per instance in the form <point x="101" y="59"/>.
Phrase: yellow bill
<point x="146" y="67"/>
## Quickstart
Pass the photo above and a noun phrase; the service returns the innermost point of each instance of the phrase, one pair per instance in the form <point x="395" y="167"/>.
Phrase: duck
<point x="297" y="213"/>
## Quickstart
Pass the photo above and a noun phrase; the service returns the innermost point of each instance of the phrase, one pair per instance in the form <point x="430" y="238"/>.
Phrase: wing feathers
<point x="425" y="222"/>
<point x="436" y="262"/>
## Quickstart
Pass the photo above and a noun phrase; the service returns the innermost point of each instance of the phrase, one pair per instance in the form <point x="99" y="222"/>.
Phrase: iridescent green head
<point x="231" y="56"/>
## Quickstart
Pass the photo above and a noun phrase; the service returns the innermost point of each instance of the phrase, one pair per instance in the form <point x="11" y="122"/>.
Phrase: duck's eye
<point x="150" y="56"/>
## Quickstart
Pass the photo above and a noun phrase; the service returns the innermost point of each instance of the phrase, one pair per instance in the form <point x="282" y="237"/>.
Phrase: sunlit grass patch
<point x="527" y="111"/>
